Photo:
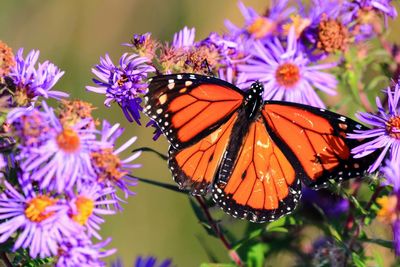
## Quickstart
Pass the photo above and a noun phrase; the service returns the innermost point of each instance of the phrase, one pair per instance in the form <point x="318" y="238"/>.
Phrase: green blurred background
<point x="73" y="34"/>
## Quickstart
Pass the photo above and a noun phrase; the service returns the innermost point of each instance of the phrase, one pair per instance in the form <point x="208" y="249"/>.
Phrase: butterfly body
<point x="251" y="154"/>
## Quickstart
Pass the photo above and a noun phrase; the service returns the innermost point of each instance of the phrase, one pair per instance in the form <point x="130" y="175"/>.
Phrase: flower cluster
<point x="62" y="173"/>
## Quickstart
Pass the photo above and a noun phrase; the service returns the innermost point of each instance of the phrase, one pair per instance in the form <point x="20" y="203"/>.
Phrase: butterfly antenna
<point x="160" y="184"/>
<point x="149" y="149"/>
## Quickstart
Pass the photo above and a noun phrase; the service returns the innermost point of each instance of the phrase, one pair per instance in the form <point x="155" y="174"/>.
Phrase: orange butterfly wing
<point x="262" y="185"/>
<point x="188" y="107"/>
<point x="195" y="167"/>
<point x="315" y="141"/>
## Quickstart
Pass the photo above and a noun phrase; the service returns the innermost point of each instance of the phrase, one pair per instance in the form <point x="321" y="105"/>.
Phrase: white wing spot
<point x="171" y="86"/>
<point x="188" y="83"/>
<point x="159" y="111"/>
<point x="170" y="80"/>
<point x="179" y="77"/>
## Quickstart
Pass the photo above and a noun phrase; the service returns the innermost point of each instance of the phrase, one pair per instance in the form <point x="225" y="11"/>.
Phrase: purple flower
<point x="151" y="262"/>
<point x="287" y="73"/>
<point x="144" y="262"/>
<point x="109" y="168"/>
<point x="332" y="205"/>
<point x="80" y="251"/>
<point x="57" y="157"/>
<point x="123" y="83"/>
<point x="36" y="216"/>
<point x="184" y="38"/>
<point x="32" y="82"/>
<point x="366" y="14"/>
<point x="261" y="26"/>
<point x="88" y="205"/>
<point x="386" y="132"/>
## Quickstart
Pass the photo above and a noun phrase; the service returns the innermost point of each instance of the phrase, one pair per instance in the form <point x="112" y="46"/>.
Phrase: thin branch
<point x="217" y="230"/>
<point x="159" y="184"/>
<point x="5" y="259"/>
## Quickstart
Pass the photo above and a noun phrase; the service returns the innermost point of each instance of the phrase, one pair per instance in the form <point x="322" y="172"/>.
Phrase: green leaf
<point x="255" y="233"/>
<point x="256" y="255"/>
<point x="357" y="260"/>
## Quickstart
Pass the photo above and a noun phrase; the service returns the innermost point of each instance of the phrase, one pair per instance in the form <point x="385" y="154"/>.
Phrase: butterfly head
<point x="256" y="88"/>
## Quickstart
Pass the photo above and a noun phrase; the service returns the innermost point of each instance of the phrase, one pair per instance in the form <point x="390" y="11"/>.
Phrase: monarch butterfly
<point x="251" y="154"/>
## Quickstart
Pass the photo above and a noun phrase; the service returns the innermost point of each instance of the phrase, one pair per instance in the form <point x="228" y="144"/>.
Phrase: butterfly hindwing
<point x="195" y="167"/>
<point x="188" y="107"/>
<point x="262" y="185"/>
<point x="315" y="141"/>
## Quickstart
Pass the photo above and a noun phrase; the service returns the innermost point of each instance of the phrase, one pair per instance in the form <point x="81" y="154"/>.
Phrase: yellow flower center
<point x="109" y="165"/>
<point x="35" y="209"/>
<point x="393" y="127"/>
<point x="84" y="208"/>
<point x="68" y="140"/>
<point x="387" y="213"/>
<point x="287" y="75"/>
<point x="298" y="23"/>
<point x="121" y="81"/>
<point x="261" y="27"/>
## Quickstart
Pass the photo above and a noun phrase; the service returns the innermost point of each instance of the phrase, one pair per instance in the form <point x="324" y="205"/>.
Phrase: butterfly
<point x="252" y="155"/>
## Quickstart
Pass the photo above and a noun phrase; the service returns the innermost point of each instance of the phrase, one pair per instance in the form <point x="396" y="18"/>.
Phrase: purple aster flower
<point x="367" y="15"/>
<point x="80" y="251"/>
<point x="40" y="220"/>
<point x="260" y="26"/>
<point x="332" y="205"/>
<point x="109" y="168"/>
<point x="287" y="73"/>
<point x="157" y="131"/>
<point x="386" y="132"/>
<point x="88" y="205"/>
<point x="123" y="83"/>
<point x="184" y="38"/>
<point x="58" y="157"/>
<point x="151" y="262"/>
<point x="32" y="82"/>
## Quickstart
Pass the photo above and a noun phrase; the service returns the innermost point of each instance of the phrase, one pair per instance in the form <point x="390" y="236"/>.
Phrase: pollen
<point x="393" y="127"/>
<point x="109" y="165"/>
<point x="287" y="75"/>
<point x="85" y="207"/>
<point x="387" y="213"/>
<point x="75" y="111"/>
<point x="121" y="81"/>
<point x="7" y="60"/>
<point x="261" y="27"/>
<point x="68" y="140"/>
<point x="299" y="24"/>
<point x="332" y="35"/>
<point x="35" y="209"/>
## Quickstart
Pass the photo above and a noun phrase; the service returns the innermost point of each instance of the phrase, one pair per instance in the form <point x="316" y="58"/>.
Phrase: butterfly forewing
<point x="315" y="141"/>
<point x="188" y="107"/>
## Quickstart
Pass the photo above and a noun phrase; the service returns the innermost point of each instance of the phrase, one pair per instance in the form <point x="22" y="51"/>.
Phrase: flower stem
<point x="217" y="230"/>
<point x="5" y="259"/>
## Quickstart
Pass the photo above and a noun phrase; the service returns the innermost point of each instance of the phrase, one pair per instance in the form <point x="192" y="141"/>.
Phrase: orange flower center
<point x="35" y="209"/>
<point x="68" y="140"/>
<point x="261" y="27"/>
<point x="7" y="60"/>
<point x="109" y="165"/>
<point x="85" y="208"/>
<point x="393" y="127"/>
<point x="121" y="81"/>
<point x="287" y="75"/>
<point x="387" y="213"/>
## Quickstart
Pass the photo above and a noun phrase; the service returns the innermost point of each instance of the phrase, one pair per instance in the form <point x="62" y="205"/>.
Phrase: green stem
<point x="217" y="230"/>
